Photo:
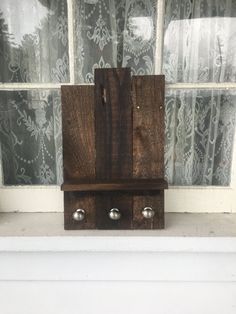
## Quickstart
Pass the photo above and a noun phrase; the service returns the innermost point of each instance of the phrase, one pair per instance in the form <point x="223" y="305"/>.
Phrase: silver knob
<point x="114" y="214"/>
<point x="148" y="212"/>
<point x="79" y="214"/>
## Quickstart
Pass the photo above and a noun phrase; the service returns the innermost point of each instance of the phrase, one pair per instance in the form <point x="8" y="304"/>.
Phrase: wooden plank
<point x="148" y="144"/>
<point x="118" y="185"/>
<point x="113" y="129"/>
<point x="79" y="200"/>
<point x="78" y="151"/>
<point x="113" y="123"/>
<point x="148" y="126"/>
<point x="78" y="132"/>
<point x="155" y="200"/>
<point x="105" y="202"/>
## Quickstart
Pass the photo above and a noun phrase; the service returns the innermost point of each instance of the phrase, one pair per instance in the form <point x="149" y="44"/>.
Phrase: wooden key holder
<point x="113" y="152"/>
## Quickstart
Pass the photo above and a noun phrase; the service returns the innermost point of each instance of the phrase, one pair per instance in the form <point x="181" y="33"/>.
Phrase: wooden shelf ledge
<point x="118" y="185"/>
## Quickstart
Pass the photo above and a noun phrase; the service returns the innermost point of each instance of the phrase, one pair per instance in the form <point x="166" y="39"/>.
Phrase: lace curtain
<point x="200" y="41"/>
<point x="33" y="41"/>
<point x="108" y="34"/>
<point x="31" y="141"/>
<point x="33" y="49"/>
<point x="200" y="128"/>
<point x="113" y="33"/>
<point x="199" y="47"/>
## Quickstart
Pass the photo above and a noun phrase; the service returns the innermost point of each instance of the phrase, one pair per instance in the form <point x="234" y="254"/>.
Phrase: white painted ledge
<point x="186" y="233"/>
<point x="193" y="248"/>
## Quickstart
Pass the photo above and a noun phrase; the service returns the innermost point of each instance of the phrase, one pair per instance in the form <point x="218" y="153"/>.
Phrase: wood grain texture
<point x="78" y="132"/>
<point x="113" y="129"/>
<point x="148" y="126"/>
<point x="155" y="200"/>
<point x="113" y="123"/>
<point x="148" y="145"/>
<point x="113" y="150"/>
<point x="78" y="151"/>
<point x="79" y="200"/>
<point x="106" y="201"/>
<point x="116" y="185"/>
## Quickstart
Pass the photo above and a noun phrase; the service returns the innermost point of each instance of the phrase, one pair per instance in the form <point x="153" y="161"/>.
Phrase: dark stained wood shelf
<point x="113" y="151"/>
<point x="117" y="185"/>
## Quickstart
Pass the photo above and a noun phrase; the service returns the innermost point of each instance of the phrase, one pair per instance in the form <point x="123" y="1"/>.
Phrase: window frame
<point x="192" y="199"/>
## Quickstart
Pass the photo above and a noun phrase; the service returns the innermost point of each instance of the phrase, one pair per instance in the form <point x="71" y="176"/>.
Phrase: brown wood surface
<point x="155" y="200"/>
<point x="148" y="144"/>
<point x="117" y="185"/>
<point x="148" y="126"/>
<point x="78" y="132"/>
<point x="109" y="200"/>
<point x="113" y="123"/>
<point x="78" y="151"/>
<point x="113" y="129"/>
<point x="79" y="200"/>
<point x="113" y="150"/>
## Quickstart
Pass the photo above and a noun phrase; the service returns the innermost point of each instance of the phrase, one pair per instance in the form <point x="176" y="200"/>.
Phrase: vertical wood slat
<point x="78" y="132"/>
<point x="113" y="123"/>
<point x="148" y="126"/>
<point x="148" y="144"/>
<point x="78" y="151"/>
<point x="113" y="129"/>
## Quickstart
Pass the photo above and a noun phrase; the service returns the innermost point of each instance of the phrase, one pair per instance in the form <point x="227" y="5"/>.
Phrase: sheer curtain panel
<point x="199" y="48"/>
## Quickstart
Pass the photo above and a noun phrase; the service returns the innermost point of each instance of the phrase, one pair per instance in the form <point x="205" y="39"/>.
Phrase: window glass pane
<point x="33" y="41"/>
<point x="200" y="41"/>
<point x="112" y="33"/>
<point x="30" y="132"/>
<point x="200" y="127"/>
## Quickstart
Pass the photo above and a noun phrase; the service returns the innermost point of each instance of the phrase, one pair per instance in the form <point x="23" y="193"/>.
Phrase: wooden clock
<point x="113" y="152"/>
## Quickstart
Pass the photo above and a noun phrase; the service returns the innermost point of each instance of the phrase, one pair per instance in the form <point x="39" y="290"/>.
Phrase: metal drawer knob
<point x="114" y="214"/>
<point x="148" y="212"/>
<point x="79" y="214"/>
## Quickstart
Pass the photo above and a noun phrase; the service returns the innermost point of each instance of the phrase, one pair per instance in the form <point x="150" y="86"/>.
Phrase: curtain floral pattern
<point x="199" y="47"/>
<point x="200" y="41"/>
<point x="35" y="51"/>
<point x="113" y="33"/>
<point x="200" y="127"/>
<point x="30" y="130"/>
<point x="33" y="41"/>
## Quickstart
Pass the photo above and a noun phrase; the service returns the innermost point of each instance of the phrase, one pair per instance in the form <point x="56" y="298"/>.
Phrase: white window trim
<point x="209" y="199"/>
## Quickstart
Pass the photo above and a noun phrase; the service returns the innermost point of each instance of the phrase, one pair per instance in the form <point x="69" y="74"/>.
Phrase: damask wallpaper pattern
<point x="199" y="47"/>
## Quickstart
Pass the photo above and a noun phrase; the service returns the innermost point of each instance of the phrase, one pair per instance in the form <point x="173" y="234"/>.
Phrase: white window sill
<point x="44" y="232"/>
<point x="195" y="254"/>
